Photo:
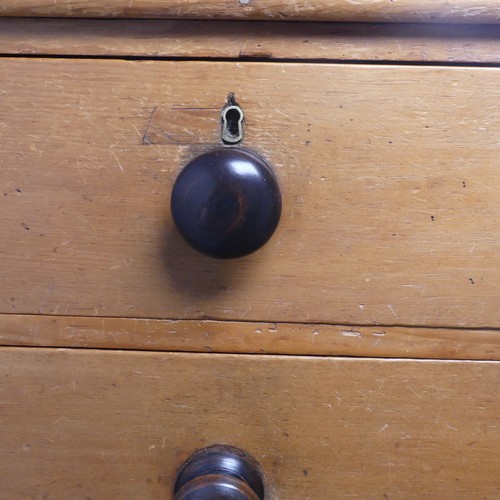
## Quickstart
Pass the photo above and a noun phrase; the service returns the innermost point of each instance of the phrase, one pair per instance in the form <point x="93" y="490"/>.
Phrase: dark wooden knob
<point x="226" y="203"/>
<point x="220" y="473"/>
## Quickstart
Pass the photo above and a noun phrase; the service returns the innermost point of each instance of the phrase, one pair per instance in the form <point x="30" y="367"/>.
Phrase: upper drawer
<point x="451" y="11"/>
<point x="389" y="175"/>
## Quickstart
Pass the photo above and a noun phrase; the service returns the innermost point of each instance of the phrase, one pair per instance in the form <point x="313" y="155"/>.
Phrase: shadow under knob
<point x="226" y="203"/>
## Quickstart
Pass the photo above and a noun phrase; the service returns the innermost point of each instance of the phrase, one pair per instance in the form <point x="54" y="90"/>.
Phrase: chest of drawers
<point x="356" y="353"/>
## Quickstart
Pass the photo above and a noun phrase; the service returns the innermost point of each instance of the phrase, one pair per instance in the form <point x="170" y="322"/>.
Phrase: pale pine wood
<point x="451" y="11"/>
<point x="248" y="337"/>
<point x="90" y="424"/>
<point x="389" y="176"/>
<point x="226" y="39"/>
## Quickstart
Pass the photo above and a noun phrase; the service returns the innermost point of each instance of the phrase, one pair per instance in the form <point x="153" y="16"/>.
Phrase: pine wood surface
<point x="388" y="247"/>
<point x="268" y="40"/>
<point x="113" y="424"/>
<point x="248" y="337"/>
<point x="391" y="202"/>
<point x="451" y="11"/>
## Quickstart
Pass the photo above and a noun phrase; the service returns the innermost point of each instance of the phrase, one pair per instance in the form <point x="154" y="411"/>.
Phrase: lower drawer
<point x="107" y="424"/>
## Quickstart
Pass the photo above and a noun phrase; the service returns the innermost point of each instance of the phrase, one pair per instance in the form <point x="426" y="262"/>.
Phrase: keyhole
<point x="232" y="123"/>
<point x="233" y="117"/>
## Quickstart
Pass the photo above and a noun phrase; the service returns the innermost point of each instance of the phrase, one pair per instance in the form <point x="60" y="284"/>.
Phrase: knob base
<point x="220" y="472"/>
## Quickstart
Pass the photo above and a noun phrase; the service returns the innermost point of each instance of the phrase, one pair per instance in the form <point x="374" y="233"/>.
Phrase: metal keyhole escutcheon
<point x="232" y="122"/>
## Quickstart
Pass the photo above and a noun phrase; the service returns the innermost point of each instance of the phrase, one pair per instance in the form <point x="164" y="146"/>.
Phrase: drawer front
<point x="389" y="177"/>
<point x="99" y="424"/>
<point x="269" y="40"/>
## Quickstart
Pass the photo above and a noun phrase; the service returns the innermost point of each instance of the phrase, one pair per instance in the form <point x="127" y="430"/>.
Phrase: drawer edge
<point x="241" y="337"/>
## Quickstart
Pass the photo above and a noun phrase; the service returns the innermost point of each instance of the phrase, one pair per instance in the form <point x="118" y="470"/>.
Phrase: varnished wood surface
<point x="90" y="424"/>
<point x="389" y="177"/>
<point x="229" y="39"/>
<point x="248" y="337"/>
<point x="459" y="11"/>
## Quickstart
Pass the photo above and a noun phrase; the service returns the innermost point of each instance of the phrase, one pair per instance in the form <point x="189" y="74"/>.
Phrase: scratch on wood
<point x="118" y="161"/>
<point x="48" y="293"/>
<point x="170" y="137"/>
<point x="391" y="308"/>
<point x="145" y="140"/>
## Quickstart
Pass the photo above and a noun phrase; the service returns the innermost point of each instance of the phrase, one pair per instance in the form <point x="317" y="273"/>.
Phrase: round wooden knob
<point x="226" y="203"/>
<point x="220" y="473"/>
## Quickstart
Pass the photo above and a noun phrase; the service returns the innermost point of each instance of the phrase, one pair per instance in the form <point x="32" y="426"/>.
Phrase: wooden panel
<point x="248" y="337"/>
<point x="226" y="39"/>
<point x="389" y="175"/>
<point x="460" y="11"/>
<point x="84" y="424"/>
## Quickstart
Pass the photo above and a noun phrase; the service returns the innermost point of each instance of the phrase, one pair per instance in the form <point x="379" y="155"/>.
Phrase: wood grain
<point x="247" y="337"/>
<point x="89" y="424"/>
<point x="450" y="11"/>
<point x="389" y="178"/>
<point x="269" y="40"/>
